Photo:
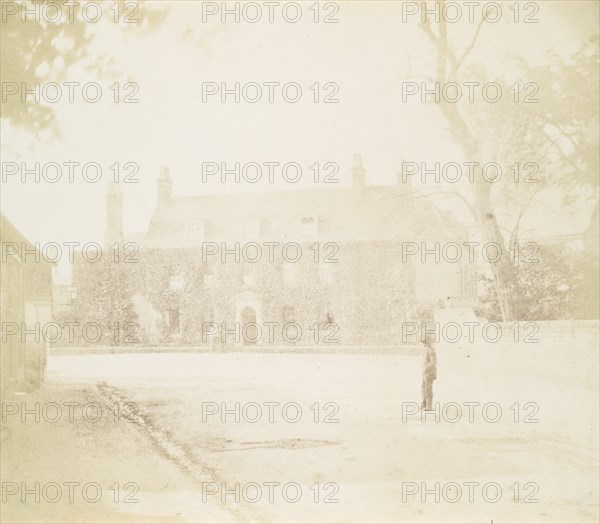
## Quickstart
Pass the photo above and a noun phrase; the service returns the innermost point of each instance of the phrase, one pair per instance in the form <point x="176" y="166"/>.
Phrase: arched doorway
<point x="248" y="311"/>
<point x="249" y="327"/>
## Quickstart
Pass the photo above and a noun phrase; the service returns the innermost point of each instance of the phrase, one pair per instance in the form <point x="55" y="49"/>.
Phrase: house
<point x="330" y="263"/>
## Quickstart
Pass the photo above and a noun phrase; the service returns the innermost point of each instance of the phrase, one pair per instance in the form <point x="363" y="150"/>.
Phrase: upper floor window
<point x="289" y="274"/>
<point x="176" y="283"/>
<point x="325" y="273"/>
<point x="308" y="227"/>
<point x="251" y="229"/>
<point x="250" y="280"/>
<point x="209" y="281"/>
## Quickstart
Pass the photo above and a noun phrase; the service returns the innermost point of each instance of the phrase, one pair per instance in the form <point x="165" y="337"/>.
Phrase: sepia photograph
<point x="300" y="262"/>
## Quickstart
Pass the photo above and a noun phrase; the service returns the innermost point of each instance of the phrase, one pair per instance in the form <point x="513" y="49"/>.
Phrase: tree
<point x="553" y="288"/>
<point x="42" y="48"/>
<point x="448" y="65"/>
<point x="556" y="135"/>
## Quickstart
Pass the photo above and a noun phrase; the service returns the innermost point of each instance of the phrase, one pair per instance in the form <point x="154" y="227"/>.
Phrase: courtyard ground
<point x="312" y="438"/>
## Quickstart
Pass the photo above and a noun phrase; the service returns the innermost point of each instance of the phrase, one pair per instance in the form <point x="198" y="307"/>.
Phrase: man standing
<point x="429" y="375"/>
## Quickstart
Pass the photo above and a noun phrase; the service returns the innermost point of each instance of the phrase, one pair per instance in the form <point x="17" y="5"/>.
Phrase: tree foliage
<point x="37" y="49"/>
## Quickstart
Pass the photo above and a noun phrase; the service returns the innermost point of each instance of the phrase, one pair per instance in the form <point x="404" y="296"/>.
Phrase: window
<point x="174" y="322"/>
<point x="250" y="280"/>
<point x="289" y="274"/>
<point x="325" y="273"/>
<point x="195" y="232"/>
<point x="308" y="227"/>
<point x="251" y="229"/>
<point x="289" y="314"/>
<point x="209" y="281"/>
<point x="176" y="283"/>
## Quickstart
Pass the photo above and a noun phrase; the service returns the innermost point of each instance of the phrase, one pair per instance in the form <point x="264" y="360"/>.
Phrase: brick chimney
<point x="358" y="172"/>
<point x="164" y="187"/>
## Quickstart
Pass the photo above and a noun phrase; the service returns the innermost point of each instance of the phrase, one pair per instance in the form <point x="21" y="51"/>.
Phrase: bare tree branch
<point x="524" y="207"/>
<point x="468" y="50"/>
<point x="421" y="194"/>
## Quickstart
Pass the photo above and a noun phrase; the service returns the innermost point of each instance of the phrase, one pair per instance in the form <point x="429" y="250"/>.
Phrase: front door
<point x="249" y="328"/>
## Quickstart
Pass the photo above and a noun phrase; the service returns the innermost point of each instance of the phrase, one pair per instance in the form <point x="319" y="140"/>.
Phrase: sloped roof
<point x="366" y="213"/>
<point x="9" y="233"/>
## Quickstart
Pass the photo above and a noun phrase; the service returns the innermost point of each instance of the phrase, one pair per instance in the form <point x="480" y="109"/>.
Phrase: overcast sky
<point x="368" y="54"/>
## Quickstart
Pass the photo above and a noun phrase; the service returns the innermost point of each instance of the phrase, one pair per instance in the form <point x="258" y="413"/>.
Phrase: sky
<point x="367" y="54"/>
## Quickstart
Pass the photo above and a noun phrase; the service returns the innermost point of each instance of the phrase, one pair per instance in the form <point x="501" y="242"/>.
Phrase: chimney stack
<point x="114" y="214"/>
<point x="358" y="172"/>
<point x="164" y="187"/>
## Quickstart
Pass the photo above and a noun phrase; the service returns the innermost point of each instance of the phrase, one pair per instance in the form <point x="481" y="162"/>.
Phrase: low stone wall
<point x="404" y="349"/>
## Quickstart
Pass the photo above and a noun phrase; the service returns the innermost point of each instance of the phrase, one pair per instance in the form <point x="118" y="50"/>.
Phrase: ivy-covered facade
<point x="317" y="267"/>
